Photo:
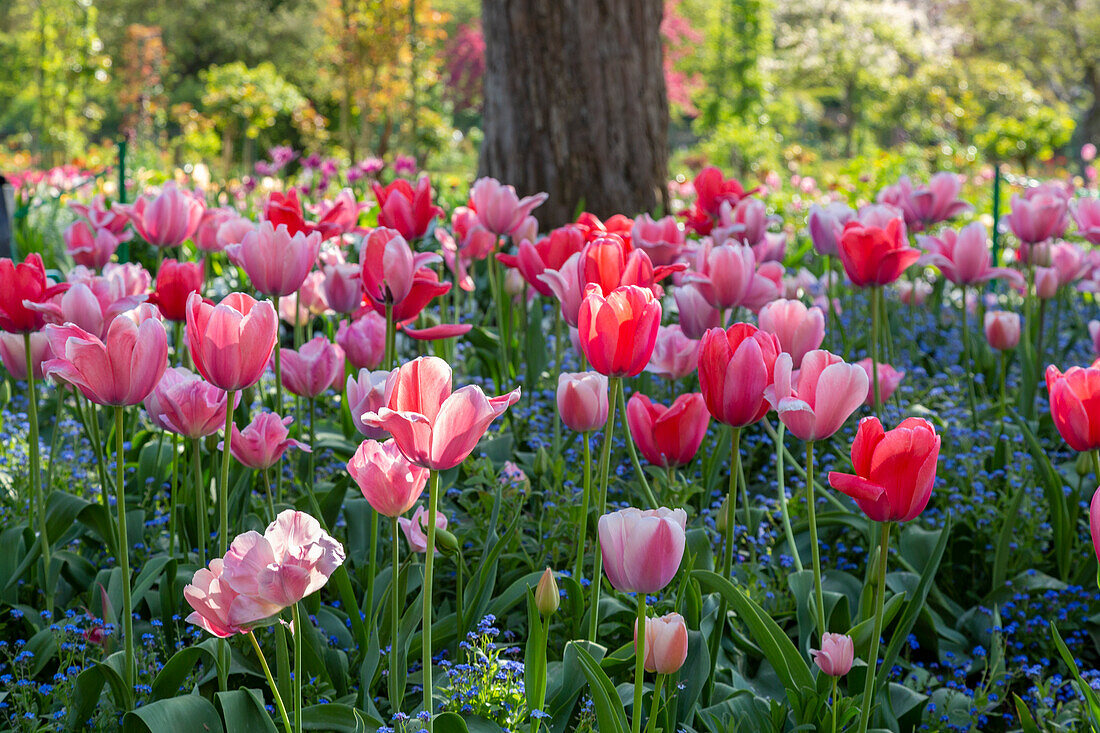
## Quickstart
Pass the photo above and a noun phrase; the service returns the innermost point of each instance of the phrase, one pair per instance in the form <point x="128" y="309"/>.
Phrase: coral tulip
<point x="642" y="550"/>
<point x="668" y="436"/>
<point x="22" y="284"/>
<point x="232" y="341"/>
<point x="666" y="643"/>
<point x="617" y="333"/>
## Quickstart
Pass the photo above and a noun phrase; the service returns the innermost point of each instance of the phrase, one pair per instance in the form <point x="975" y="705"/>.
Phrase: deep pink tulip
<point x="232" y="341"/>
<point x="1086" y="213"/>
<point x="826" y="224"/>
<point x="889" y="379"/>
<point x="798" y="328"/>
<point x="363" y="340"/>
<point x="674" y="355"/>
<point x="1040" y="214"/>
<point x="1075" y="405"/>
<point x="567" y="285"/>
<point x="122" y="369"/>
<point x="836" y="655"/>
<point x="666" y="643"/>
<point x="894" y="471"/>
<point x="13" y="354"/>
<point x="499" y="208"/>
<point x="408" y="211"/>
<point x="735" y="367"/>
<point x="662" y="240"/>
<point x="642" y="550"/>
<point x="582" y="400"/>
<point x="433" y="426"/>
<point x="310" y="370"/>
<point x="548" y="253"/>
<point x="276" y="262"/>
<point x="154" y="403"/>
<point x="964" y="257"/>
<point x="618" y="332"/>
<point x="101" y="216"/>
<point x="926" y="205"/>
<point x="388" y="481"/>
<point x="215" y="603"/>
<point x="825" y="392"/>
<point x="389" y="266"/>
<point x="473" y="240"/>
<point x="1002" y="329"/>
<point x="343" y="291"/>
<point x="92" y="304"/>
<point x="741" y="223"/>
<point x="668" y="436"/>
<point x="262" y="443"/>
<point x="416" y="529"/>
<point x="338" y="216"/>
<point x="291" y="560"/>
<point x="187" y="405"/>
<point x="169" y="219"/>
<point x="695" y="313"/>
<point x="23" y="285"/>
<point x="366" y="394"/>
<point x="90" y="248"/>
<point x="723" y="273"/>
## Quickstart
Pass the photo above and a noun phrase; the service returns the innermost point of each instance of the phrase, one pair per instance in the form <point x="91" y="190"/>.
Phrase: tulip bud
<point x="446" y="541"/>
<point x="836" y="656"/>
<point x="721" y="514"/>
<point x="546" y="594"/>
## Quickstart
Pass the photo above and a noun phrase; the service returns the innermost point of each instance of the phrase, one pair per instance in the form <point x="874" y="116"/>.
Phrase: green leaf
<point x="610" y="715"/>
<point x="184" y="714"/>
<point x="1091" y="700"/>
<point x="244" y="710"/>
<point x="1005" y="538"/>
<point x="449" y="723"/>
<point x="337" y="718"/>
<point x="1065" y="535"/>
<point x="572" y="681"/>
<point x="1027" y="722"/>
<point x="534" y="656"/>
<point x="177" y="669"/>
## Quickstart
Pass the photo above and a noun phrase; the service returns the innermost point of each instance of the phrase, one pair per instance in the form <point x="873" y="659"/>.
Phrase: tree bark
<point x="575" y="104"/>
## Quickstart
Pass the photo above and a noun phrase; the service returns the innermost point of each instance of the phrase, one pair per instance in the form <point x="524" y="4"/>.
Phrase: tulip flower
<point x="276" y="261"/>
<point x="389" y="266"/>
<point x="366" y="393"/>
<point x="186" y="405"/>
<point x="674" y="355"/>
<point x="175" y="283"/>
<point x="1040" y="214"/>
<point x="695" y="313"/>
<point x="286" y="210"/>
<point x="594" y="229"/>
<point x="741" y="223"/>
<point x="169" y="219"/>
<point x="548" y="253"/>
<point x="618" y="332"/>
<point x="836" y="655"/>
<point x="582" y="400"/>
<point x="1094" y="522"/>
<point x="1074" y="401"/>
<point x="22" y="284"/>
<point x="129" y="278"/>
<point x="13" y="354"/>
<point x="724" y="274"/>
<point x="666" y="643"/>
<point x="799" y="329"/>
<point x="889" y="379"/>
<point x="409" y="212"/>
<point x="342" y="287"/>
<point x="547" y="596"/>
<point x="1086" y="214"/>
<point x="928" y="205"/>
<point x="735" y="367"/>
<point x="711" y="191"/>
<point x="815" y="403"/>
<point x="662" y="240"/>
<point x="263" y="441"/>
<point x="215" y="603"/>
<point x="232" y="231"/>
<point x="363" y="340"/>
<point x="414" y="529"/>
<point x="232" y="341"/>
<point x="964" y="257"/>
<point x="498" y="207"/>
<point x="122" y="369"/>
<point x="206" y="234"/>
<point x="339" y="216"/>
<point x="101" y="216"/>
<point x="310" y="370"/>
<point x="668" y="436"/>
<point x="826" y="224"/>
<point x="1046" y="283"/>
<point x="92" y="304"/>
<point x="88" y="248"/>
<point x="874" y="256"/>
<point x="1002" y="329"/>
<point x="387" y="479"/>
<point x="642" y="550"/>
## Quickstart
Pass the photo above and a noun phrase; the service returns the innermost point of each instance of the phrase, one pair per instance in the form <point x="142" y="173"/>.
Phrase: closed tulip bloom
<point x="276" y="262"/>
<point x="366" y="394"/>
<point x="1040" y="214"/>
<point x="674" y="355"/>
<point x="13" y="355"/>
<point x="232" y="341"/>
<point x="825" y="225"/>
<point x="1002" y="329"/>
<point x="695" y="313"/>
<point x="22" y="284"/>
<point x="889" y="379"/>
<point x="408" y="211"/>
<point x="836" y="655"/>
<point x="582" y="400"/>
<point x="206" y="234"/>
<point x="389" y="265"/>
<point x="1086" y="213"/>
<point x="499" y="208"/>
<point x="668" y="436"/>
<point x="433" y="426"/>
<point x="363" y="340"/>
<point x="215" y="603"/>
<point x="169" y="219"/>
<point x="723" y="274"/>
<point x="416" y="529"/>
<point x="662" y="240"/>
<point x="310" y="370"/>
<point x="825" y="392"/>
<point x="964" y="257"/>
<point x="90" y="248"/>
<point x="666" y="643"/>
<point x="1075" y="405"/>
<point x="642" y="550"/>
<point x="175" y="283"/>
<point x="894" y="471"/>
<point x="617" y="333"/>
<point x="388" y="481"/>
<point x="872" y="256"/>
<point x="122" y="369"/>
<point x="233" y="231"/>
<point x="187" y="405"/>
<point x="129" y="278"/>
<point x="1046" y="282"/>
<point x="342" y="287"/>
<point x="262" y="443"/>
<point x="608" y="261"/>
<point x="798" y="328"/>
<point x="735" y="367"/>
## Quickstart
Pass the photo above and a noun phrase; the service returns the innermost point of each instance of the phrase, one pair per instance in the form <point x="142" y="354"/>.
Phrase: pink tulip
<point x="129" y="278"/>
<point x="742" y="223"/>
<point x="582" y="400"/>
<point x="388" y="481"/>
<point x="215" y="603"/>
<point x="723" y="274"/>
<point x="772" y="248"/>
<point x="548" y="253"/>
<point x="666" y="643"/>
<point x="826" y="224"/>
<point x="169" y="219"/>
<point x="1002" y="329"/>
<point x="433" y="426"/>
<point x="364" y="340"/>
<point x="90" y="249"/>
<point x="262" y="443"/>
<point x="889" y="379"/>
<point x="100" y="216"/>
<point x="674" y="355"/>
<point x="765" y="287"/>
<point x="342" y="287"/>
<point x="293" y="312"/>
<point x="232" y="231"/>
<point x="367" y="393"/>
<point x="276" y="262"/>
<point x="13" y="354"/>
<point x="499" y="208"/>
<point x="312" y="294"/>
<point x="187" y="405"/>
<point x="1086" y="213"/>
<point x="415" y="529"/>
<point x="291" y="560"/>
<point x="122" y="369"/>
<point x="567" y="285"/>
<point x="695" y="313"/>
<point x="668" y="436"/>
<point x="798" y="328"/>
<point x="232" y="341"/>
<point x="1046" y="282"/>
<point x="1040" y="214"/>
<point x="964" y="257"/>
<point x="916" y="293"/>
<point x="474" y="241"/>
<point x="91" y="304"/>
<point x="815" y="403"/>
<point x="836" y="655"/>
<point x="642" y="550"/>
<point x="206" y="235"/>
<point x="662" y="240"/>
<point x="310" y="370"/>
<point x="389" y="265"/>
<point x="928" y="205"/>
<point x="1068" y="261"/>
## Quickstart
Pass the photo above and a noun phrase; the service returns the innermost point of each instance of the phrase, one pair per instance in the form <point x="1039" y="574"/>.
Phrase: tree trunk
<point x="575" y="104"/>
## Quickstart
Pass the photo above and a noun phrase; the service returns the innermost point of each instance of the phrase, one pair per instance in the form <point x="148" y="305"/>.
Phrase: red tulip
<point x="1075" y="405"/>
<point x="1094" y="522"/>
<point x="618" y="332"/>
<point x="668" y="436"/>
<point x="388" y="481"/>
<point x="287" y="210"/>
<point x="735" y="367"/>
<point x="894" y="471"/>
<point x="872" y="256"/>
<point x="815" y="403"/>
<point x="232" y="341"/>
<point x="175" y="283"/>
<point x="409" y="212"/>
<point x="21" y="284"/>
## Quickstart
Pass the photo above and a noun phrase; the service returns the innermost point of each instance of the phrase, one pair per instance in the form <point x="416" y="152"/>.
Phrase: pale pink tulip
<point x="388" y="481"/>
<point x="582" y="400"/>
<point x="415" y="529"/>
<point x="666" y="643"/>
<point x="276" y="262"/>
<point x="889" y="379"/>
<point x="798" y="328"/>
<point x="499" y="208"/>
<point x="13" y="354"/>
<point x="815" y="403"/>
<point x="836" y="655"/>
<point x="675" y="355"/>
<point x="642" y="550"/>
<point x="214" y="602"/>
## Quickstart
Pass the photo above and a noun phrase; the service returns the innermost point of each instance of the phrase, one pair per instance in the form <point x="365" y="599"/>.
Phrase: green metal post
<point x="124" y="248"/>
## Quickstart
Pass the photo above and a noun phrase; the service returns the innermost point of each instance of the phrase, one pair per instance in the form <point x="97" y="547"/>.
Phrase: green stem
<point x="396" y="694"/>
<point x="278" y="388"/>
<point x="92" y="424"/>
<point x="200" y="502"/>
<point x="1096" y="464"/>
<point x="537" y="698"/>
<point x="37" y="498"/>
<point x="601" y="503"/>
<point x="872" y="658"/>
<point x="271" y="683"/>
<point x="129" y="662"/>
<point x="639" y="667"/>
<point x="267" y="490"/>
<point x="1004" y="379"/>
<point x="429" y="563"/>
<point x="55" y="436"/>
<point x="296" y="614"/>
<point x="372" y="561"/>
<point x="785" y="510"/>
<point x="877" y="401"/>
<point x="223" y="483"/>
<point x="634" y="454"/>
<point x="172" y="498"/>
<point x="731" y="503"/>
<point x="312" y="403"/>
<point x="815" y="550"/>
<point x="391" y="337"/>
<point x="832" y="698"/>
<point x="971" y="399"/>
<point x="578" y="565"/>
<point x="651" y="724"/>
